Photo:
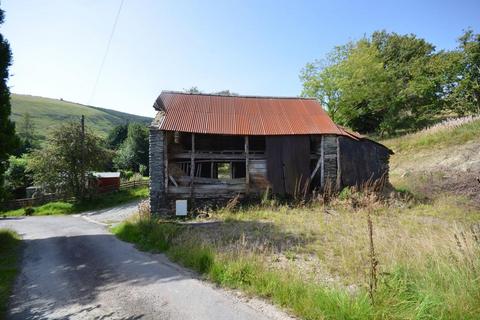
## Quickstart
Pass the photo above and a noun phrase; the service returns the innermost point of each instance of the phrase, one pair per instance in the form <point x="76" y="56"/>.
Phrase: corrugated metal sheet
<point x="243" y="115"/>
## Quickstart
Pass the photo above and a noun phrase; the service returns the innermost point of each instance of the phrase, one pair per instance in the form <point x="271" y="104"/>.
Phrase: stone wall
<point x="157" y="170"/>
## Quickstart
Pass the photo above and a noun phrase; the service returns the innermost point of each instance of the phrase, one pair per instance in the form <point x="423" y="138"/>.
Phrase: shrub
<point x="28" y="211"/>
<point x="126" y="174"/>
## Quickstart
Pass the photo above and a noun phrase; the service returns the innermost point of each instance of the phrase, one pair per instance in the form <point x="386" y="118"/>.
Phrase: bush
<point x="126" y="174"/>
<point x="28" y="211"/>
<point x="143" y="169"/>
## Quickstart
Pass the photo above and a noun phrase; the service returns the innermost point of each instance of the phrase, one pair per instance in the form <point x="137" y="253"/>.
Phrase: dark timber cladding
<point x="215" y="147"/>
<point x="288" y="163"/>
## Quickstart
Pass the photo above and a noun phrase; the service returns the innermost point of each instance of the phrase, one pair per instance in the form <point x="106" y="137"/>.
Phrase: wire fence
<point x="45" y="198"/>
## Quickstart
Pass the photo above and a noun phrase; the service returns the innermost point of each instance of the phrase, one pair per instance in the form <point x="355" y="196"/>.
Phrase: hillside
<point x="46" y="113"/>
<point x="442" y="159"/>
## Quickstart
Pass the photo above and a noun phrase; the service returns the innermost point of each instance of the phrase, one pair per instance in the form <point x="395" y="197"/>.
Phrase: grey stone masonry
<point x="157" y="170"/>
<point x="330" y="162"/>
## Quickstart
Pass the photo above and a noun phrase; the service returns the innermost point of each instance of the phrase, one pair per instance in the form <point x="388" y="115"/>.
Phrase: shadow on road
<point x="68" y="275"/>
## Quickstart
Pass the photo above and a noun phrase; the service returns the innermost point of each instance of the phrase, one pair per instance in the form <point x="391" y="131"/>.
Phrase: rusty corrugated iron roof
<point x="243" y="115"/>
<point x="349" y="133"/>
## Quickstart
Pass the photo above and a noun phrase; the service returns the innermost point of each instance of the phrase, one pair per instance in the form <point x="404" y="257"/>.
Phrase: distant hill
<point x="47" y="113"/>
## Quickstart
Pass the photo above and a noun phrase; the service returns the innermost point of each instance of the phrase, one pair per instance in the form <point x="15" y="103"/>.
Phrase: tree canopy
<point x="8" y="139"/>
<point x="389" y="82"/>
<point x="64" y="163"/>
<point x="133" y="151"/>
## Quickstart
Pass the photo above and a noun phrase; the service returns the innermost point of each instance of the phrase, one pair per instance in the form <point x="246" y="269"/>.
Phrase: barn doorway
<point x="288" y="163"/>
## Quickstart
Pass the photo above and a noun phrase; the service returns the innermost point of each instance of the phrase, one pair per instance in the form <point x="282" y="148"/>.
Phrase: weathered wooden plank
<point x="192" y="164"/>
<point x="201" y="180"/>
<point x="217" y="156"/>
<point x="247" y="163"/>
<point x="165" y="159"/>
<point x="213" y="189"/>
<point x="173" y="181"/>
<point x="322" y="167"/>
<point x="339" y="168"/>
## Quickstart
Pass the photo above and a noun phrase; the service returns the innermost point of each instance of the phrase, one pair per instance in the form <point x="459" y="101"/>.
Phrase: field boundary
<point x="32" y="202"/>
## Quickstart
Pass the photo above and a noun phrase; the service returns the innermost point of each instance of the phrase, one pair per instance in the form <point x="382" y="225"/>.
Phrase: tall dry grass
<point x="322" y="259"/>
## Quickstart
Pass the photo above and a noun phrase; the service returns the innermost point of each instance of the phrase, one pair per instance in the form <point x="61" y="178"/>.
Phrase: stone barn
<point x="206" y="146"/>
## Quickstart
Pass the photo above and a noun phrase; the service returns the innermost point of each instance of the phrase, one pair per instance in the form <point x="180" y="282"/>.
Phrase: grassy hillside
<point x="440" y="160"/>
<point x="46" y="113"/>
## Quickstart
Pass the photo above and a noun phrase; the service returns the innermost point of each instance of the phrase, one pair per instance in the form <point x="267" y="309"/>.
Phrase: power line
<point x="106" y="53"/>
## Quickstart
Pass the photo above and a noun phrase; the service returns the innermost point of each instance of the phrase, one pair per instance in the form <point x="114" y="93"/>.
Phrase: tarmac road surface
<point x="75" y="269"/>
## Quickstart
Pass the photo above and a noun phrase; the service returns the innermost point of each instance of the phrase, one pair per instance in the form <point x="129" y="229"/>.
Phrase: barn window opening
<point x="224" y="170"/>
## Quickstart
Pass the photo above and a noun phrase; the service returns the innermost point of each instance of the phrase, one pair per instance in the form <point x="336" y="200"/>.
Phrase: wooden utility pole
<point x="82" y="158"/>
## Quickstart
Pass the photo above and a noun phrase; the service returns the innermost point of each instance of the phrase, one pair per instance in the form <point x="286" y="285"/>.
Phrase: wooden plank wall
<point x="325" y="148"/>
<point x="362" y="160"/>
<point x="330" y="161"/>
<point x="288" y="162"/>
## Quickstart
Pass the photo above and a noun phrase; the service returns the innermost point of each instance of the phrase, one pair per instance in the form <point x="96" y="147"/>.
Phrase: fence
<point x="32" y="202"/>
<point x="123" y="186"/>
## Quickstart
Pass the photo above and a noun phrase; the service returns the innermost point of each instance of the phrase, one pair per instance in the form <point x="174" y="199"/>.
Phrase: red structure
<point x="107" y="181"/>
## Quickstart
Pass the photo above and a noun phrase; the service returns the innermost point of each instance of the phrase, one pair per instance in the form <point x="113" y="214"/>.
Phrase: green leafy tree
<point x="17" y="176"/>
<point x="8" y="140"/>
<point x="134" y="150"/>
<point x="63" y="165"/>
<point x="116" y="136"/>
<point x="192" y="90"/>
<point x="383" y="83"/>
<point x="466" y="95"/>
<point x="27" y="134"/>
<point x="226" y="93"/>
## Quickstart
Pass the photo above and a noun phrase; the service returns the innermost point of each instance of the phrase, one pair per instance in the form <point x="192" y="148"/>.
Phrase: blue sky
<point x="250" y="47"/>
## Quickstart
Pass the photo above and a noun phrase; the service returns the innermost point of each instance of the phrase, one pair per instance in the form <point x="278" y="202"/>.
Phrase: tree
<point x="70" y="154"/>
<point x="8" y="140"/>
<point x="116" y="136"/>
<point x="466" y="94"/>
<point x="134" y="150"/>
<point x="192" y="90"/>
<point x="28" y="137"/>
<point x="17" y="177"/>
<point x="226" y="93"/>
<point x="383" y="83"/>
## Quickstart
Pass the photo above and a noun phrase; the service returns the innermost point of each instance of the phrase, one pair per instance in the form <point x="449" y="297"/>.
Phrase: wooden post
<point x="165" y="160"/>
<point x="192" y="165"/>
<point x="322" y="165"/>
<point x="247" y="164"/>
<point x="82" y="159"/>
<point x="339" y="168"/>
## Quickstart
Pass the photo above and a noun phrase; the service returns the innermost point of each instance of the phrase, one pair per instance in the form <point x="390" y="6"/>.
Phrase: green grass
<point x="438" y="139"/>
<point x="102" y="202"/>
<point x="46" y="113"/>
<point x="420" y="285"/>
<point x="304" y="299"/>
<point x="9" y="260"/>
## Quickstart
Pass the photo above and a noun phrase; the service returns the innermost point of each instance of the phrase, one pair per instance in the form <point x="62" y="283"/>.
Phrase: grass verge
<point x="245" y="272"/>
<point x="430" y="270"/>
<point x="105" y="201"/>
<point x="10" y="256"/>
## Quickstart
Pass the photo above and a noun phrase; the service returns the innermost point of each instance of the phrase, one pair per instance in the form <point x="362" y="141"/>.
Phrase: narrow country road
<point x="75" y="269"/>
